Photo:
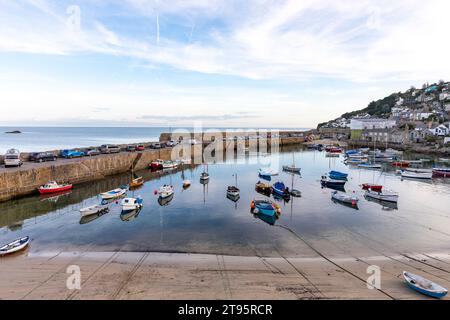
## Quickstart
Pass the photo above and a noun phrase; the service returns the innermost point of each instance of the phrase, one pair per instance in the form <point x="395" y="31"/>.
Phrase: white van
<point x="12" y="158"/>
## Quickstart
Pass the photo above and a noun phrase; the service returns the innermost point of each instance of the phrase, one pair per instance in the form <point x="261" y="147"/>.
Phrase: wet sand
<point x="145" y="275"/>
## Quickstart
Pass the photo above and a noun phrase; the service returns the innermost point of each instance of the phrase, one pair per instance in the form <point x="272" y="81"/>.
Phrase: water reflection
<point x="165" y="201"/>
<point x="386" y="205"/>
<point x="130" y="215"/>
<point x="92" y="217"/>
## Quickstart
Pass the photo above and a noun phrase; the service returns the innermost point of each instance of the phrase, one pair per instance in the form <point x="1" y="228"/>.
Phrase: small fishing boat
<point x="281" y="190"/>
<point x="186" y="184"/>
<point x="53" y="187"/>
<point x="137" y="182"/>
<point x="267" y="172"/>
<point x="265" y="207"/>
<point x="424" y="286"/>
<point x="351" y="152"/>
<point x="292" y="169"/>
<point x="14" y="246"/>
<point x="384" y="195"/>
<point x="400" y="164"/>
<point x="113" y="194"/>
<point x="441" y="172"/>
<point x="157" y="164"/>
<point x="98" y="208"/>
<point x="344" y="198"/>
<point x="370" y="166"/>
<point x="417" y="175"/>
<point x="165" y="191"/>
<point x="356" y="161"/>
<point x="373" y="187"/>
<point x="336" y="175"/>
<point x="263" y="188"/>
<point x="296" y="193"/>
<point x="169" y="164"/>
<point x="328" y="182"/>
<point x="131" y="204"/>
<point x="233" y="191"/>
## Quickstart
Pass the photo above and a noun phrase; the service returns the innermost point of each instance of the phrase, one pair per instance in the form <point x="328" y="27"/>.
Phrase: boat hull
<point x="14" y="246"/>
<point x="55" y="190"/>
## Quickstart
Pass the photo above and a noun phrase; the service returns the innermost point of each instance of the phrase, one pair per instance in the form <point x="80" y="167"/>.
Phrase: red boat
<point x="333" y="149"/>
<point x="157" y="164"/>
<point x="373" y="187"/>
<point x="441" y="172"/>
<point x="53" y="187"/>
<point x="400" y="164"/>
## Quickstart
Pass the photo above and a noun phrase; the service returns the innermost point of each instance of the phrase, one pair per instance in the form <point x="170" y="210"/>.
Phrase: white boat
<point x="113" y="194"/>
<point x="131" y="204"/>
<point x="292" y="169"/>
<point x="424" y="286"/>
<point x="233" y="191"/>
<point x="15" y="246"/>
<point x="443" y="160"/>
<point x="364" y="150"/>
<point x="384" y="195"/>
<point x="165" y="191"/>
<point x="169" y="164"/>
<point x="369" y="166"/>
<point x="204" y="176"/>
<point x="345" y="198"/>
<point x="267" y="172"/>
<point x="356" y="161"/>
<point x="103" y="206"/>
<point x="417" y="175"/>
<point x="186" y="161"/>
<point x="357" y="156"/>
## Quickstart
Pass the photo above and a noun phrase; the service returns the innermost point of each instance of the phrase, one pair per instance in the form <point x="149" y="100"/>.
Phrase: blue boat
<point x="424" y="286"/>
<point x="281" y="190"/>
<point x="349" y="152"/>
<point x="264" y="207"/>
<point x="336" y="175"/>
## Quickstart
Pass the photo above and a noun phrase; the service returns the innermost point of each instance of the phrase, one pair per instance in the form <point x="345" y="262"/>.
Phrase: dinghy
<point x="336" y="175"/>
<point x="186" y="184"/>
<point x="53" y="187"/>
<point x="263" y="188"/>
<point x="113" y="194"/>
<point x="131" y="204"/>
<point x="14" y="246"/>
<point x="328" y="182"/>
<point x="344" y="198"/>
<point x="385" y="195"/>
<point x="98" y="208"/>
<point x="165" y="191"/>
<point x="417" y="175"/>
<point x="369" y="166"/>
<point x="281" y="190"/>
<point x="441" y="172"/>
<point x="265" y="207"/>
<point x="374" y="187"/>
<point x="267" y="172"/>
<point x="292" y="169"/>
<point x="204" y="176"/>
<point x="137" y="182"/>
<point x="424" y="286"/>
<point x="356" y="161"/>
<point x="233" y="191"/>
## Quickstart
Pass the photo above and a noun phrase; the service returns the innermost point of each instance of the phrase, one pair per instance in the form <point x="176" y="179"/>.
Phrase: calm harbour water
<point x="202" y="220"/>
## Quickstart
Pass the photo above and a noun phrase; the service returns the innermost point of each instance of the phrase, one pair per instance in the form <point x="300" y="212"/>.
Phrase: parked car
<point x="171" y="143"/>
<point x="69" y="154"/>
<point x="42" y="156"/>
<point x="109" y="148"/>
<point x="131" y="148"/>
<point x="12" y="158"/>
<point x="92" y="152"/>
<point x="155" y="145"/>
<point x="140" y="147"/>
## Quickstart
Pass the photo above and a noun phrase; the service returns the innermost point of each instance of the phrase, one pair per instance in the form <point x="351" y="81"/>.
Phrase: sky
<point x="255" y="63"/>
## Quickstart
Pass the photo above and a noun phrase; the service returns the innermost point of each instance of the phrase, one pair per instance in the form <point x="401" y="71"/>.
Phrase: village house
<point x="440" y="130"/>
<point x="386" y="135"/>
<point x="419" y="134"/>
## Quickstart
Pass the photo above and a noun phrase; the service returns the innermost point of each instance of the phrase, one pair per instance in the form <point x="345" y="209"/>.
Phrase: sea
<point x="36" y="139"/>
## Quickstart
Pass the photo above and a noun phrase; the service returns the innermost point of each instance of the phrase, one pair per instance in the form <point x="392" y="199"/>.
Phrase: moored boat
<point x="53" y="187"/>
<point x="345" y="198"/>
<point x="370" y="166"/>
<point x="328" y="182"/>
<point x="157" y="164"/>
<point x="113" y="194"/>
<point x="263" y="188"/>
<point x="137" y="182"/>
<point x="281" y="190"/>
<point x="186" y="184"/>
<point x="424" y="286"/>
<point x="416" y="175"/>
<point x="441" y="172"/>
<point x="356" y="161"/>
<point x="384" y="195"/>
<point x="131" y="204"/>
<point x="400" y="164"/>
<point x="292" y="169"/>
<point x="265" y="207"/>
<point x="165" y="191"/>
<point x="98" y="208"/>
<point x="373" y="187"/>
<point x="14" y="246"/>
<point x="336" y="175"/>
<point x="296" y="193"/>
<point x="233" y="191"/>
<point x="267" y="172"/>
<point x="169" y="164"/>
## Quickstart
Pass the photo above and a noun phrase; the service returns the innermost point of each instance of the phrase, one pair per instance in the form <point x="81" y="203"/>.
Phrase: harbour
<point x="315" y="249"/>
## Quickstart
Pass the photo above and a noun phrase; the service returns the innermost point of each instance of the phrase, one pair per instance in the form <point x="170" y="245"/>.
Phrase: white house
<point x="440" y="130"/>
<point x="361" y="124"/>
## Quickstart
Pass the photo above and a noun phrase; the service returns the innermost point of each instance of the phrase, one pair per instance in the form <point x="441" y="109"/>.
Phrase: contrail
<point x="157" y="28"/>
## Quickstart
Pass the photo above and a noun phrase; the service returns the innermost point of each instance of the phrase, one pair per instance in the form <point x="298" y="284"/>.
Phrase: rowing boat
<point x="14" y="246"/>
<point x="424" y="286"/>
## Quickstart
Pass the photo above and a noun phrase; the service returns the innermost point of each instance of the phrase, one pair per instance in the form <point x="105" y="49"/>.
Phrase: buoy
<point x="155" y="192"/>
